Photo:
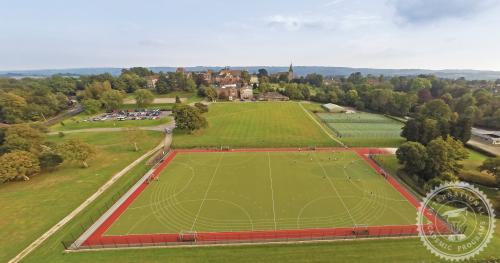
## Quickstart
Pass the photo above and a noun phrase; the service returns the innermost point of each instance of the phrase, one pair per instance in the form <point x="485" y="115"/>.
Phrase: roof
<point x="331" y="106"/>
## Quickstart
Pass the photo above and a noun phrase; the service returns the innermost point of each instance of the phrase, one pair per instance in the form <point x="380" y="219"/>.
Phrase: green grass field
<point x="246" y="191"/>
<point x="30" y="208"/>
<point x="364" y="129"/>
<point x="256" y="124"/>
<point x="404" y="250"/>
<point x="361" y="125"/>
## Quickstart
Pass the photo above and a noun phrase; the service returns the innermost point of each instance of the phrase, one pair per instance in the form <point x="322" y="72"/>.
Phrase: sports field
<point x="264" y="190"/>
<point x="361" y="125"/>
<point x="256" y="124"/>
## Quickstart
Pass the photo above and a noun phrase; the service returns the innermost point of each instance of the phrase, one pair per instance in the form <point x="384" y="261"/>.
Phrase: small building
<point x="246" y="93"/>
<point x="485" y="136"/>
<point x="272" y="96"/>
<point x="330" y="107"/>
<point x="254" y="80"/>
<point x="151" y="81"/>
<point x="229" y="92"/>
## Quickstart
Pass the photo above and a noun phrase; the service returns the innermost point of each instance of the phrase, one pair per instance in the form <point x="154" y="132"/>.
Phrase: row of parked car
<point x="126" y="115"/>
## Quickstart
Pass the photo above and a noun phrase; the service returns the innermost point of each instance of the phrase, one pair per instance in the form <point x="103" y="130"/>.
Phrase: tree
<point x="351" y="97"/>
<point x="22" y="137"/>
<point x="162" y="85"/>
<point x="413" y="156"/>
<point x="262" y="73"/>
<point x="462" y="129"/>
<point x="314" y="79"/>
<point x="492" y="166"/>
<point x="419" y="84"/>
<point x="188" y="118"/>
<point x="96" y="89"/>
<point x="437" y="109"/>
<point x="134" y="135"/>
<point x="112" y="99"/>
<point x="91" y="106"/>
<point x="49" y="160"/>
<point x="139" y="71"/>
<point x="77" y="150"/>
<point x="209" y="92"/>
<point x="18" y="165"/>
<point x="444" y="156"/>
<point x="245" y="76"/>
<point x="12" y="107"/>
<point x="202" y="107"/>
<point x="143" y="97"/>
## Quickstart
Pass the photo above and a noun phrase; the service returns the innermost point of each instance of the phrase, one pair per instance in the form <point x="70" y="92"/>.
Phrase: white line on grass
<point x="334" y="188"/>
<point x="272" y="189"/>
<point x="322" y="128"/>
<point x="206" y="192"/>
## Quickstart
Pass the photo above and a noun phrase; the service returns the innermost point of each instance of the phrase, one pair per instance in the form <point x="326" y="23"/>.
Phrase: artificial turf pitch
<point x="263" y="191"/>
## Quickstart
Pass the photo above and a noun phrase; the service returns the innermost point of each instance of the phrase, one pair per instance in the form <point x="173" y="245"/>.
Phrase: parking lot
<point x="152" y="114"/>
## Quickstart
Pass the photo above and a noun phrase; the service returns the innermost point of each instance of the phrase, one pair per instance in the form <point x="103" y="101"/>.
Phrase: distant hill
<point x="299" y="71"/>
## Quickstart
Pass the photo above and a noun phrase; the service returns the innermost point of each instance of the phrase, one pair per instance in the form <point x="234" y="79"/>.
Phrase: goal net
<point x="360" y="230"/>
<point x="225" y="148"/>
<point x="187" y="236"/>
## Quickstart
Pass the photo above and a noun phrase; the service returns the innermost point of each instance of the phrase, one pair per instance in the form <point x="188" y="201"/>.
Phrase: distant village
<point x="233" y="84"/>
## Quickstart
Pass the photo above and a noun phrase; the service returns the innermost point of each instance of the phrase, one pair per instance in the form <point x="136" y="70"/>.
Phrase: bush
<point x="202" y="107"/>
<point x="61" y="134"/>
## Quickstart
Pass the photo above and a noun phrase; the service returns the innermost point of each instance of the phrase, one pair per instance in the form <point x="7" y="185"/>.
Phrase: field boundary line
<point x="83" y="205"/>
<point x="206" y="192"/>
<point x="272" y="190"/>
<point x="322" y="128"/>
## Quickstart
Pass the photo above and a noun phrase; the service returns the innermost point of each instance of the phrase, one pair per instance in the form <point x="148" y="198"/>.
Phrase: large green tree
<point x="188" y="118"/>
<point x="492" y="166"/>
<point x="112" y="99"/>
<point x="12" y="107"/>
<point x="143" y="97"/>
<point x="18" y="165"/>
<point x="413" y="156"/>
<point x="77" y="150"/>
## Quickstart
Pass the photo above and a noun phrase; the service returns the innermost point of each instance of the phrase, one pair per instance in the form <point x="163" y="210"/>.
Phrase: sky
<point x="429" y="34"/>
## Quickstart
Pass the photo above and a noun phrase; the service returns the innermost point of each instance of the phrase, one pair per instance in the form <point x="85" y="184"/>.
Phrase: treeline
<point x="475" y="101"/>
<point x="25" y="152"/>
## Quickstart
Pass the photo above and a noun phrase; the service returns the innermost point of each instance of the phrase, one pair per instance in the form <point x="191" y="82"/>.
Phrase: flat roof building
<point x="486" y="136"/>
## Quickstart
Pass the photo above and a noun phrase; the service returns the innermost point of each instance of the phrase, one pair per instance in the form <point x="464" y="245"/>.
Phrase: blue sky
<point x="434" y="34"/>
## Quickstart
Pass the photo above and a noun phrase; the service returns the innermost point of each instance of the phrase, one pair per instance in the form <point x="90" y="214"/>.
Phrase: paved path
<point x="92" y="198"/>
<point x="321" y="126"/>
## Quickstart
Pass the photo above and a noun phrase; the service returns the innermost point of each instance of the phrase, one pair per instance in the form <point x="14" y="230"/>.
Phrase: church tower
<point x="290" y="73"/>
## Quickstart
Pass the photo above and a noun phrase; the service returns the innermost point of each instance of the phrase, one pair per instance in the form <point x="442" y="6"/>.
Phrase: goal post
<point x="187" y="236"/>
<point x="360" y="230"/>
<point x="225" y="148"/>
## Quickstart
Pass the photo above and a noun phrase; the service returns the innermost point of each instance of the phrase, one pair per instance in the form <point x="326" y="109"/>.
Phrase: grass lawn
<point x="472" y="174"/>
<point x="256" y="124"/>
<point x="77" y="123"/>
<point x="32" y="207"/>
<point x="248" y="191"/>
